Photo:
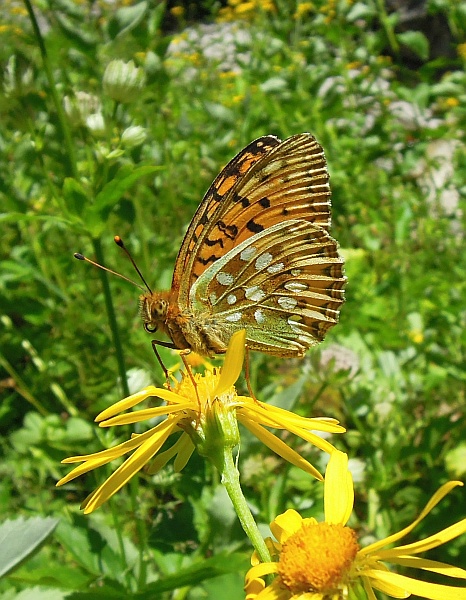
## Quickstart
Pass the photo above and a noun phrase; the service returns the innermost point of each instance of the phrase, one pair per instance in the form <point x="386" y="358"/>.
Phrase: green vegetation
<point x="82" y="161"/>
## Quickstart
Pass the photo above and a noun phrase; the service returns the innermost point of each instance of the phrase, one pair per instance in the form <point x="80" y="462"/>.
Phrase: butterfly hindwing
<point x="283" y="285"/>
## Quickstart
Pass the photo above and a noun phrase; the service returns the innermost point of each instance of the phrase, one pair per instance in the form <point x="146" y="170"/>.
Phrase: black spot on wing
<point x="254" y="227"/>
<point x="264" y="202"/>
<point x="209" y="242"/>
<point x="205" y="261"/>
<point x="231" y="231"/>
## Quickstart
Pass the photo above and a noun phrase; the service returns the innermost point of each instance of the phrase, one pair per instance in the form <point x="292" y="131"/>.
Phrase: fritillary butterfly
<point x="257" y="256"/>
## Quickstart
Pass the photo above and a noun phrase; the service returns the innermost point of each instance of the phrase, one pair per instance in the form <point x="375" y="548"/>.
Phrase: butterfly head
<point x="153" y="308"/>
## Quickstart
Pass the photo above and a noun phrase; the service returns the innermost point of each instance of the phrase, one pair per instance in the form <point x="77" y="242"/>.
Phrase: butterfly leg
<point x="247" y="377"/>
<point x="156" y="343"/>
<point x="183" y="354"/>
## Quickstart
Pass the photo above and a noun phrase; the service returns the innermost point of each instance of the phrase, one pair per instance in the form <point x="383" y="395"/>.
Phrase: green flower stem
<point x="230" y="479"/>
<point x="111" y="317"/>
<point x="388" y="27"/>
<point x="21" y="388"/>
<point x="68" y="140"/>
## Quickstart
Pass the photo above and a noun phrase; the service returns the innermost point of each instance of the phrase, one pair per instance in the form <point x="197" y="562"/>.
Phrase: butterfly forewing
<point x="283" y="285"/>
<point x="282" y="182"/>
<point x="203" y="220"/>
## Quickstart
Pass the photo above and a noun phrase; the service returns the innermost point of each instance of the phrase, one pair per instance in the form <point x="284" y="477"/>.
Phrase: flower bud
<point x="80" y="106"/>
<point x="122" y="81"/>
<point x="133" y="136"/>
<point x="96" y="123"/>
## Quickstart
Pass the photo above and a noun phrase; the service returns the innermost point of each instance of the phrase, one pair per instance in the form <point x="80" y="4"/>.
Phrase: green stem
<point x="21" y="387"/>
<point x="68" y="140"/>
<point x="387" y="26"/>
<point x="230" y="479"/>
<point x="111" y="317"/>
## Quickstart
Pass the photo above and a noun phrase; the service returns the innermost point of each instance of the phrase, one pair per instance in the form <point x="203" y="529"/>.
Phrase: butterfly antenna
<point x="80" y="256"/>
<point x="119" y="242"/>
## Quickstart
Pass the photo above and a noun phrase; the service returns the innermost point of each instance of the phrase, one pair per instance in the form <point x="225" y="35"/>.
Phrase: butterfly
<point x="257" y="255"/>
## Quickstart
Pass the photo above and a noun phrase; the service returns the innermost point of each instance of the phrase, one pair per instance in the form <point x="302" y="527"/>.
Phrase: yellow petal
<point x="129" y="468"/>
<point x="182" y="448"/>
<point x="439" y="494"/>
<point x="338" y="490"/>
<point x="387" y="587"/>
<point x="260" y="571"/>
<point x="184" y="453"/>
<point x="146" y="414"/>
<point x="368" y="589"/>
<point x="233" y="363"/>
<point x="426" y="544"/>
<point x="430" y="565"/>
<point x="261" y="415"/>
<point x="131" y="401"/>
<point x="93" y="461"/>
<point x="432" y="591"/>
<point x="282" y="416"/>
<point x="286" y="524"/>
<point x="279" y="447"/>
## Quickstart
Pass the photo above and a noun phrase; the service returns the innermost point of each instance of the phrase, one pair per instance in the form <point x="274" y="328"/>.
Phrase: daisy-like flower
<point x="323" y="561"/>
<point x="206" y="410"/>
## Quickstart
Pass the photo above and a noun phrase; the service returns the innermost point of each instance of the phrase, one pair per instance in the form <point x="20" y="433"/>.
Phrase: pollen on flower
<point x="317" y="557"/>
<point x="205" y="385"/>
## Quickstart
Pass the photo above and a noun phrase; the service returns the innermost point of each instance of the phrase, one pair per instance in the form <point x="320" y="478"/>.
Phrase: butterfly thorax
<point x="199" y="333"/>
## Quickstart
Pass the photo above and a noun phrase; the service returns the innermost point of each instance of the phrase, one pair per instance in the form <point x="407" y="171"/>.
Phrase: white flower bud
<point x="133" y="136"/>
<point x="122" y="81"/>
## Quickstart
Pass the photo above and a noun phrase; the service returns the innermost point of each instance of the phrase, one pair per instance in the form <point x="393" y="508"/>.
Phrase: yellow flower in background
<point x="323" y="561"/>
<point x="461" y="49"/>
<point x="205" y="409"/>
<point x="303" y="9"/>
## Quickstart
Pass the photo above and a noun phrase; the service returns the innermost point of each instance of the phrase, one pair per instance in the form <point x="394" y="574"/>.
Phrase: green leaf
<point x="70" y="578"/>
<point x="18" y="217"/>
<point x="111" y="193"/>
<point x="75" y="196"/>
<point x="41" y="593"/>
<point x="220" y="564"/>
<point x="20" y="538"/>
<point x="127" y="18"/>
<point x="416" y="42"/>
<point x="88" y="547"/>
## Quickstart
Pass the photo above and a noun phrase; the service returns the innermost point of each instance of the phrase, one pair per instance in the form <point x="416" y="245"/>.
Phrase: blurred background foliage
<point x="382" y="88"/>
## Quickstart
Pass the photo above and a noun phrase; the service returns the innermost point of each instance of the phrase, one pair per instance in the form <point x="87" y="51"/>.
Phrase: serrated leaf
<point x="20" y="538"/>
<point x="416" y="42"/>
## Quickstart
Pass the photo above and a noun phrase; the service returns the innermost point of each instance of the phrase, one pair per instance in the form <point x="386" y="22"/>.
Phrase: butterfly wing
<point x="266" y="183"/>
<point x="284" y="285"/>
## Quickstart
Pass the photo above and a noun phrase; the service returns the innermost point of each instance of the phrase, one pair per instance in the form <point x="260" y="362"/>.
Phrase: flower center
<point x="317" y="557"/>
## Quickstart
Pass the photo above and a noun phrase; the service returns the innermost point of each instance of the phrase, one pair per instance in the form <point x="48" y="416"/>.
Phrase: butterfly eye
<point x="150" y="328"/>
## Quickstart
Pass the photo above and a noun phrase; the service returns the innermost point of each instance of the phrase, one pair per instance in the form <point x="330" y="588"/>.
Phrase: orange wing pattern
<point x="202" y="222"/>
<point x="268" y="182"/>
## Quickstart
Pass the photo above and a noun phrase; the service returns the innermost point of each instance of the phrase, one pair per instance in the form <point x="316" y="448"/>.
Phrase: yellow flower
<point x="205" y="409"/>
<point x="303" y="9"/>
<point x="461" y="49"/>
<point x="177" y="11"/>
<point x="323" y="561"/>
<point x="451" y="102"/>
